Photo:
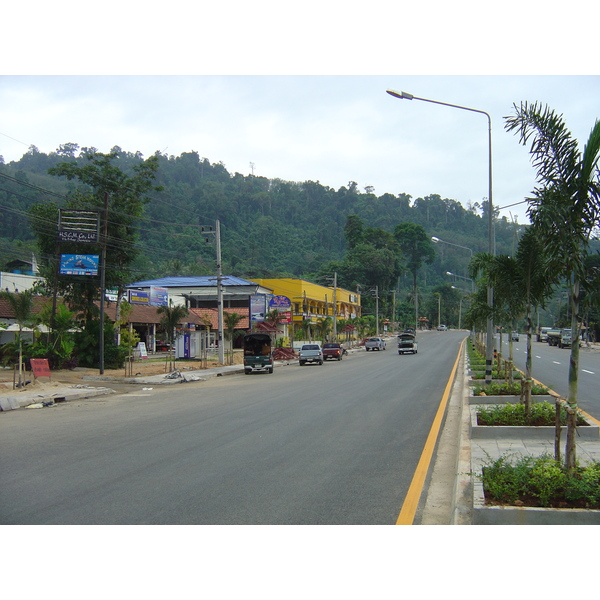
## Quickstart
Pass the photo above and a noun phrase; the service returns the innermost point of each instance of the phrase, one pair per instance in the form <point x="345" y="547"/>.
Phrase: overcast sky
<point x="334" y="126"/>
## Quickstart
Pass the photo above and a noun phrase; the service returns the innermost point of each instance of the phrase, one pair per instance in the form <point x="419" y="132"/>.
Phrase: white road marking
<point x="590" y="372"/>
<point x="556" y="362"/>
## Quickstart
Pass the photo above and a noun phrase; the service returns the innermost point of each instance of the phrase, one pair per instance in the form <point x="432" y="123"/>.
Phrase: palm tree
<point x="521" y="284"/>
<point x="564" y="210"/>
<point x="538" y="277"/>
<point x="231" y="320"/>
<point x="325" y="327"/>
<point x="22" y="307"/>
<point x="172" y="316"/>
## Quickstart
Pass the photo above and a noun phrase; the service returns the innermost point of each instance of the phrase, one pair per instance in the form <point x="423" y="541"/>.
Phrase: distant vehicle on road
<point x="442" y="328"/>
<point x="311" y="353"/>
<point x="375" y="343"/>
<point x="542" y="336"/>
<point x="514" y="336"/>
<point x="407" y="342"/>
<point x="332" y="350"/>
<point x="258" y="354"/>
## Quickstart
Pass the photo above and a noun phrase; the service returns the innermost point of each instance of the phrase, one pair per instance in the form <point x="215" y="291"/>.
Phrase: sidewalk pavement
<point x="45" y="394"/>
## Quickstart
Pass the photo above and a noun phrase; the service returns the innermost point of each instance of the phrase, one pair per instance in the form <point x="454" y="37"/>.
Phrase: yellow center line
<point x="411" y="502"/>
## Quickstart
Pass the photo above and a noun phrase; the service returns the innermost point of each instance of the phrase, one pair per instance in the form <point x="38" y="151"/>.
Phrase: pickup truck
<point x="332" y="350"/>
<point x="374" y="343"/>
<point x="311" y="353"/>
<point x="565" y="338"/>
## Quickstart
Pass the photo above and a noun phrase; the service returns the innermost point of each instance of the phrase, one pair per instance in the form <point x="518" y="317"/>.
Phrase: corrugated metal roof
<point x="201" y="281"/>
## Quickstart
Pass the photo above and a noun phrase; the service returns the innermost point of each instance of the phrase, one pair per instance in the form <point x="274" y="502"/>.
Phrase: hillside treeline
<point x="269" y="227"/>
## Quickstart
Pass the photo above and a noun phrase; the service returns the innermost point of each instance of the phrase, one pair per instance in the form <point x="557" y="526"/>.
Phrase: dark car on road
<point x="332" y="350"/>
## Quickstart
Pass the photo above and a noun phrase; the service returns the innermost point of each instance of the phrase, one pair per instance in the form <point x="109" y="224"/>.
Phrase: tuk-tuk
<point x="407" y="342"/>
<point x="257" y="353"/>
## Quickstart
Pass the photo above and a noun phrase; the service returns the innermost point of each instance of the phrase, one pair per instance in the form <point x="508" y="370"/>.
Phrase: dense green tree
<point x="103" y="186"/>
<point x="416" y="249"/>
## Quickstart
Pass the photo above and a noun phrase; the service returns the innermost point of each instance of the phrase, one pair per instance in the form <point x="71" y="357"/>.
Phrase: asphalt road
<point x="331" y="444"/>
<point x="550" y="366"/>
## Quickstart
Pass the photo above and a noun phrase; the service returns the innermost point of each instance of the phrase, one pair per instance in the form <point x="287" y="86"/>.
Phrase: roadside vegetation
<point x="540" y="481"/>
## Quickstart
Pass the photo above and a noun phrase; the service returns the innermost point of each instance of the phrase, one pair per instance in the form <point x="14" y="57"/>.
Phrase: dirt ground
<point x="145" y="367"/>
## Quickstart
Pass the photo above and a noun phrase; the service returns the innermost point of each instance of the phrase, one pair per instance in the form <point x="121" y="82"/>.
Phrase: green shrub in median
<point x="507" y="389"/>
<point x="540" y="481"/>
<point x="513" y="415"/>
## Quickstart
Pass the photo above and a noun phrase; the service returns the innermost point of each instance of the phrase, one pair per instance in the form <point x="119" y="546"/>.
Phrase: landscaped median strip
<point x="411" y="502"/>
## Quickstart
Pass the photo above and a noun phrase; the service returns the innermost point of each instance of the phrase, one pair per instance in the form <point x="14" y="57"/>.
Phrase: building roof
<point x="213" y="315"/>
<point x="191" y="282"/>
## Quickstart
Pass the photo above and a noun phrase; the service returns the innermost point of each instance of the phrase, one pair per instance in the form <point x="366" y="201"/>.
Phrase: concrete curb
<point x="590" y="432"/>
<point x="77" y="392"/>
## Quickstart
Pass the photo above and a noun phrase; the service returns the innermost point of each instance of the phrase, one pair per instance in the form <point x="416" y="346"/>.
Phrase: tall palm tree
<point x="564" y="209"/>
<point x="538" y="277"/>
<point x="22" y="309"/>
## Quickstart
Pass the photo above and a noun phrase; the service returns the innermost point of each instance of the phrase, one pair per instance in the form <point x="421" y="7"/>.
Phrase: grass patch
<point x="507" y="389"/>
<point x="540" y="481"/>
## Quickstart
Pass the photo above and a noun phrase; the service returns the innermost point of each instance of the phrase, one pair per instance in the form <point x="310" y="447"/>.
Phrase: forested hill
<point x="269" y="227"/>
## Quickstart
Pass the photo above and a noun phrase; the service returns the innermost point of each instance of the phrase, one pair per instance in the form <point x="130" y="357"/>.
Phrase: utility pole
<point x="220" y="294"/>
<point x="375" y="292"/>
<point x="217" y="234"/>
<point x="335" y="306"/>
<point x="103" y="281"/>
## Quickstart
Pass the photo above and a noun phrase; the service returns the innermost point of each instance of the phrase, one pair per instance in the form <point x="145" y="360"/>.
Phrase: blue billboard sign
<point x="79" y="264"/>
<point x="159" y="296"/>
<point x="136" y="297"/>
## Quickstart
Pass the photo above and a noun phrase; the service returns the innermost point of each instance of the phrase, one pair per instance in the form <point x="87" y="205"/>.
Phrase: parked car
<point x="162" y="346"/>
<point x="311" y="353"/>
<point x="375" y="343"/>
<point x="332" y="350"/>
<point x="515" y="336"/>
<point x="442" y="328"/>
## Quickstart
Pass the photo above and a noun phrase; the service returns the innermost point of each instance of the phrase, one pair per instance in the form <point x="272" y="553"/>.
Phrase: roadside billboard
<point x="257" y="307"/>
<point x="283" y="305"/>
<point x="79" y="264"/>
<point x="159" y="296"/>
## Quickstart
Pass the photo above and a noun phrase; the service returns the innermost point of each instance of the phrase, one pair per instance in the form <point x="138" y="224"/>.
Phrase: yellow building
<point x="311" y="301"/>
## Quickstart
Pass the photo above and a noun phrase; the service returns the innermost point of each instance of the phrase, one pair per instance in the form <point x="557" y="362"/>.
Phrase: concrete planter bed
<point x="508" y="399"/>
<point x="589" y="431"/>
<point x="488" y="514"/>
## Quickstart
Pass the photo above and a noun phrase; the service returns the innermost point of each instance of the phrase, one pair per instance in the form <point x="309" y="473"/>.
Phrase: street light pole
<point x="437" y="240"/>
<point x="490" y="291"/>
